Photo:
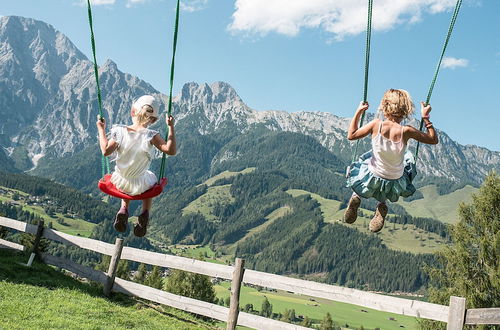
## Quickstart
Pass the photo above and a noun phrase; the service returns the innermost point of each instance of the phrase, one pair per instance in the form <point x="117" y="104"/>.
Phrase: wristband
<point x="426" y="117"/>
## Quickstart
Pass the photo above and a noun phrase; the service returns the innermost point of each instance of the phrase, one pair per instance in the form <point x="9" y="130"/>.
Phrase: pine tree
<point x="141" y="274"/>
<point x="190" y="285"/>
<point x="470" y="266"/>
<point x="154" y="279"/>
<point x="267" y="308"/>
<point x="326" y="323"/>
<point x="122" y="271"/>
<point x="306" y="322"/>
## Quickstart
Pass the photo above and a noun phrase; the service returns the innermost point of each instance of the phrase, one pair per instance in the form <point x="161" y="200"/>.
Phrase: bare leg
<point x="146" y="204"/>
<point x="125" y="203"/>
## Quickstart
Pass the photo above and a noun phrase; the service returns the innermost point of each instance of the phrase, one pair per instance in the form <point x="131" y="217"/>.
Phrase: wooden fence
<point x="455" y="315"/>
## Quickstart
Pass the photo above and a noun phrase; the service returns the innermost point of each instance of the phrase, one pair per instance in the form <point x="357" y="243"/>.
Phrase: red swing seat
<point x="109" y="188"/>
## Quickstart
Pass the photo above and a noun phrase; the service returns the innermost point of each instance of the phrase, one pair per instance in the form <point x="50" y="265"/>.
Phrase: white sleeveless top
<point x="387" y="156"/>
<point x="133" y="158"/>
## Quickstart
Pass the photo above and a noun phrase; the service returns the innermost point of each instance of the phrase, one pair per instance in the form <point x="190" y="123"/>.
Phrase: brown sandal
<point x="377" y="223"/>
<point x="141" y="226"/>
<point x="351" y="213"/>
<point x="121" y="220"/>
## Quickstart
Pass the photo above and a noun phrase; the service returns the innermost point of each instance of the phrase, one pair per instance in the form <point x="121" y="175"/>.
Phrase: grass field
<point x="72" y="226"/>
<point x="206" y="203"/>
<point x="227" y="174"/>
<point x="440" y="207"/>
<point x="43" y="298"/>
<point x="395" y="236"/>
<point x="316" y="309"/>
<point x="215" y="195"/>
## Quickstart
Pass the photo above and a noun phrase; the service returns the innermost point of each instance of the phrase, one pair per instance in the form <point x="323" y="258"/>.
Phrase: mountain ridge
<point x="49" y="85"/>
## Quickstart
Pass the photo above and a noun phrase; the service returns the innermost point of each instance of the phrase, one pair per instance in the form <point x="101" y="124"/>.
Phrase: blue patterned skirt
<point x="366" y="184"/>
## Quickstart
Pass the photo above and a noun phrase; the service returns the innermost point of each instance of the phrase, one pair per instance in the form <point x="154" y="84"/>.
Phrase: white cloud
<point x="452" y="63"/>
<point x="339" y="17"/>
<point x="193" y="5"/>
<point x="102" y="2"/>
<point x="131" y="3"/>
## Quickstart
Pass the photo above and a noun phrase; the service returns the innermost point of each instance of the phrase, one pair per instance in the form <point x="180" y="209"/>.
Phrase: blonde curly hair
<point x="144" y="116"/>
<point x="396" y="104"/>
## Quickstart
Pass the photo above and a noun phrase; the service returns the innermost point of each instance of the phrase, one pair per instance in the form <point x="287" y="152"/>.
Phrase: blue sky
<point x="303" y="55"/>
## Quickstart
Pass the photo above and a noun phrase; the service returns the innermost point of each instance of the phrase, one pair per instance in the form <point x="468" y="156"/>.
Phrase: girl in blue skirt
<point x="387" y="171"/>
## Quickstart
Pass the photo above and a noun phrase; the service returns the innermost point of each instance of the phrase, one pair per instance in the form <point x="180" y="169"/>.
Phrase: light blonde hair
<point x="144" y="116"/>
<point x="396" y="104"/>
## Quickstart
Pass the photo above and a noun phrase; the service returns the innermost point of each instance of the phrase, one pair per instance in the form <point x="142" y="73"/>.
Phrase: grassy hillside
<point x="406" y="238"/>
<point x="43" y="298"/>
<point x="440" y="207"/>
<point x="67" y="223"/>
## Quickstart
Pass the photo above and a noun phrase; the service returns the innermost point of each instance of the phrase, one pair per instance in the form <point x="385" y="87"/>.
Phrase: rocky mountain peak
<point x="217" y="92"/>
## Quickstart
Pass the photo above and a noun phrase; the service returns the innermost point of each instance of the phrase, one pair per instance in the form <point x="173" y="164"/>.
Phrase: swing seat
<point x="107" y="187"/>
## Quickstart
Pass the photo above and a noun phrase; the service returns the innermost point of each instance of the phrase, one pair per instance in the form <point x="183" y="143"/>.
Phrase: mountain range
<point x="48" y="102"/>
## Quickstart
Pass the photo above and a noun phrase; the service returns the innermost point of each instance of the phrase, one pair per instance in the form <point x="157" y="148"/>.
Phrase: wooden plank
<point x="351" y="296"/>
<point x="169" y="299"/>
<point x="483" y="316"/>
<point x="81" y="242"/>
<point x="10" y="245"/>
<point x="170" y="261"/>
<point x="18" y="225"/>
<point x="456" y="314"/>
<point x="82" y="271"/>
<point x="113" y="265"/>
<point x="235" y="294"/>
<point x="262" y="323"/>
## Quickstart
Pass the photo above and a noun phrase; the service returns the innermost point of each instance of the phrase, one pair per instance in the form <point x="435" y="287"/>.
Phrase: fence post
<point x="38" y="237"/>
<point x="456" y="314"/>
<point x="113" y="265"/>
<point x="234" y="305"/>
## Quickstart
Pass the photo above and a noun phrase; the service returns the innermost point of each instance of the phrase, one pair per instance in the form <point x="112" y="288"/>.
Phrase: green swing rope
<point x="448" y="36"/>
<point x="367" y="66"/>
<point x="104" y="160"/>
<point x="172" y="68"/>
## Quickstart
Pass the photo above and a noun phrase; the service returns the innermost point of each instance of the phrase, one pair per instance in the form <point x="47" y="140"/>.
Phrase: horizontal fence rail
<point x="182" y="263"/>
<point x="482" y="316"/>
<point x="10" y="245"/>
<point x="455" y="315"/>
<point x="18" y="225"/>
<point x="351" y="296"/>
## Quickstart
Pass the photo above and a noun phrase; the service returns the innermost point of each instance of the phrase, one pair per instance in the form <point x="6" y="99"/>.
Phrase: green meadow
<point x="316" y="308"/>
<point x="440" y="207"/>
<point x="68" y="225"/>
<point x="395" y="236"/>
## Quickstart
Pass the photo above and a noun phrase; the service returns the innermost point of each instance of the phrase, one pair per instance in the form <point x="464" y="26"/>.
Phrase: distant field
<point x="227" y="174"/>
<point x="433" y="205"/>
<point x="72" y="226"/>
<point x="206" y="203"/>
<point x="316" y="308"/>
<point x="395" y="236"/>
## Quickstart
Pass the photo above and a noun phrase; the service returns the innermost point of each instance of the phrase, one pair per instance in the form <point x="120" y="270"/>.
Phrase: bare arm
<point x="169" y="147"/>
<point x="429" y="137"/>
<point x="355" y="133"/>
<point x="107" y="146"/>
